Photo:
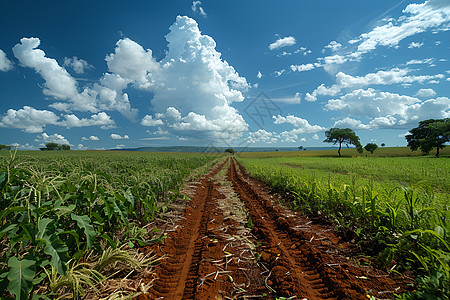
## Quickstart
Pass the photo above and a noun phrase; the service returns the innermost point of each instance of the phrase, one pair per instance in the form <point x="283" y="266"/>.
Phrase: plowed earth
<point x="235" y="242"/>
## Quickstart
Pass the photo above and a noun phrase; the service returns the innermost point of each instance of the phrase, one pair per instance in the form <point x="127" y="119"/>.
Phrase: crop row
<point x="65" y="217"/>
<point x="404" y="228"/>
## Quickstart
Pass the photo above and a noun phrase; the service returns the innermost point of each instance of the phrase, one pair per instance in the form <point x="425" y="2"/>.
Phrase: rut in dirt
<point x="211" y="254"/>
<point x="306" y="260"/>
<point x="178" y="273"/>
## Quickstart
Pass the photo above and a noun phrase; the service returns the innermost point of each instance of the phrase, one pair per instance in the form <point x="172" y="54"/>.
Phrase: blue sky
<point x="115" y="74"/>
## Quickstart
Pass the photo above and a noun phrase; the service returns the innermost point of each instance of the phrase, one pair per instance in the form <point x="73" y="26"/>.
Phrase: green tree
<point x="383" y="144"/>
<point x="370" y="147"/>
<point x="300" y="147"/>
<point x="346" y="136"/>
<point x="230" y="150"/>
<point x="429" y="134"/>
<point x="5" y="147"/>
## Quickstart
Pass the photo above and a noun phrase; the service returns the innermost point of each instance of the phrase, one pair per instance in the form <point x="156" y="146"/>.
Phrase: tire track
<point x="298" y="253"/>
<point x="177" y="275"/>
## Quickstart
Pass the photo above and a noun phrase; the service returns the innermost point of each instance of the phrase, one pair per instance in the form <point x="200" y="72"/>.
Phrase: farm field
<point x="396" y="207"/>
<point x="116" y="225"/>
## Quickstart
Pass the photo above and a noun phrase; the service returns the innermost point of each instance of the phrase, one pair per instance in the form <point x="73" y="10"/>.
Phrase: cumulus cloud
<point x="78" y="65"/>
<point x="333" y="46"/>
<point x="116" y="136"/>
<point x="301" y="125"/>
<point x="28" y="119"/>
<point x="91" y="138"/>
<point x="196" y="7"/>
<point x="193" y="87"/>
<point x="283" y="42"/>
<point x="393" y="76"/>
<point x="60" y="85"/>
<point x="101" y="119"/>
<point x="371" y="103"/>
<point x="58" y="82"/>
<point x="149" y="121"/>
<point x="315" y="136"/>
<point x="262" y="136"/>
<point x="301" y="68"/>
<point x="415" y="45"/>
<point x="5" y="63"/>
<point x="32" y="120"/>
<point x="259" y="75"/>
<point x="44" y="138"/>
<point x="425" y="93"/>
<point x="385" y="109"/>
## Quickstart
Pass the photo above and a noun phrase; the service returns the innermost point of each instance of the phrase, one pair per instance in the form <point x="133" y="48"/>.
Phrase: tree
<point x="230" y="150"/>
<point x="5" y="147"/>
<point x="371" y="147"/>
<point x="300" y="147"/>
<point x="429" y="134"/>
<point x="55" y="146"/>
<point x="346" y="136"/>
<point x="383" y="144"/>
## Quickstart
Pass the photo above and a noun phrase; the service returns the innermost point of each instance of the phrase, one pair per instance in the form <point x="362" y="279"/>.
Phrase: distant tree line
<point x="5" y="147"/>
<point x="55" y="146"/>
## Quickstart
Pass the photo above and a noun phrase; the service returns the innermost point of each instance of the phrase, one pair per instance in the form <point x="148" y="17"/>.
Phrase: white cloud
<point x="5" y="63"/>
<point x="425" y="93"/>
<point x="91" y="138"/>
<point x="259" y="75"/>
<point x="315" y="136"/>
<point x="301" y="68"/>
<point x="415" y="45"/>
<point x="386" y="110"/>
<point x="149" y="121"/>
<point x="420" y="61"/>
<point x="116" y="136"/>
<point x="261" y="136"/>
<point x="282" y="42"/>
<point x="100" y="119"/>
<point x="78" y="65"/>
<point x="371" y="103"/>
<point x="333" y="46"/>
<point x="279" y="73"/>
<point x="393" y="76"/>
<point x="60" y="85"/>
<point x="81" y="147"/>
<point x="197" y="8"/>
<point x="28" y="119"/>
<point x="132" y="62"/>
<point x="196" y="84"/>
<point x="54" y="138"/>
<point x="301" y="125"/>
<point x="289" y="100"/>
<point x="120" y="146"/>
<point x="417" y="18"/>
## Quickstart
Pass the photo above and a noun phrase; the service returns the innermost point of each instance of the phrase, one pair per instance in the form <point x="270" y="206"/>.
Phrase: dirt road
<point x="235" y="242"/>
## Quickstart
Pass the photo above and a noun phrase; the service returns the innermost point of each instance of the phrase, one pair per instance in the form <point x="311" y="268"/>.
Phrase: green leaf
<point x="85" y="223"/>
<point x="58" y="251"/>
<point x="21" y="276"/>
<point x="44" y="226"/>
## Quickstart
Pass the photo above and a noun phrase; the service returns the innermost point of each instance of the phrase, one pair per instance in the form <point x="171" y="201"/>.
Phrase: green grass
<point x="380" y="152"/>
<point x="397" y="207"/>
<point x="61" y="208"/>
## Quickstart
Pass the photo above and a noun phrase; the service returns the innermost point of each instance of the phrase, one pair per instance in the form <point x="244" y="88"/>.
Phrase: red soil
<point x="205" y="258"/>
